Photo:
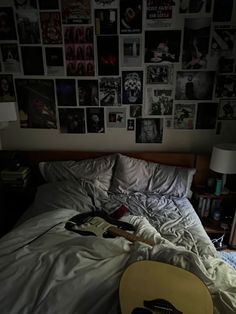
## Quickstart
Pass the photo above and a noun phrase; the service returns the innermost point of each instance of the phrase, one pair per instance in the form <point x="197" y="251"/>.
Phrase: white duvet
<point x="47" y="269"/>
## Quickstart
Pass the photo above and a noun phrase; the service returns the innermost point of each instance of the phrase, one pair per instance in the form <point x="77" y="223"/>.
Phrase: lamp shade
<point x="8" y="111"/>
<point x="223" y="158"/>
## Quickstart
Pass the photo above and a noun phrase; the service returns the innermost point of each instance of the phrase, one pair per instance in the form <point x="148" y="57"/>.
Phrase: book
<point x="22" y="170"/>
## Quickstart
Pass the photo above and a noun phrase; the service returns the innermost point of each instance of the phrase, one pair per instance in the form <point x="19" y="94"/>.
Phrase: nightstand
<point x="215" y="212"/>
<point x="13" y="202"/>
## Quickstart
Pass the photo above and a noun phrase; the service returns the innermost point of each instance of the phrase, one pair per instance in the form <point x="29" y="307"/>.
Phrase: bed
<point x="45" y="268"/>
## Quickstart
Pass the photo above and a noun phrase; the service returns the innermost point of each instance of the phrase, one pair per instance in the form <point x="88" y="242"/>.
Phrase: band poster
<point x="76" y="11"/>
<point x="131" y="16"/>
<point x="160" y="13"/>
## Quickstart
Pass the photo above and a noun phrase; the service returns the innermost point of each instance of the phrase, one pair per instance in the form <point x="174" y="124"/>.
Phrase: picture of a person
<point x="148" y="131"/>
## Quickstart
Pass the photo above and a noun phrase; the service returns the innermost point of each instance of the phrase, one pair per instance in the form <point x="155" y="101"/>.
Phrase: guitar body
<point x="148" y="287"/>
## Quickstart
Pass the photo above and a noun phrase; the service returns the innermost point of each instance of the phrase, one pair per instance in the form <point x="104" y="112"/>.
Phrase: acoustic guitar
<point x="101" y="225"/>
<point x="148" y="287"/>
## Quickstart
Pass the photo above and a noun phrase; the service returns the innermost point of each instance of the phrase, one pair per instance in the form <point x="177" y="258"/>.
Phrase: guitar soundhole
<point x="158" y="306"/>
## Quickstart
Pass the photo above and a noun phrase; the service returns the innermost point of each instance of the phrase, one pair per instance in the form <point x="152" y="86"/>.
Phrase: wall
<point x="120" y="139"/>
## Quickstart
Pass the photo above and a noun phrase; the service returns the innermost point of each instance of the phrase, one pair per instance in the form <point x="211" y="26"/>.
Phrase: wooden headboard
<point x="198" y="161"/>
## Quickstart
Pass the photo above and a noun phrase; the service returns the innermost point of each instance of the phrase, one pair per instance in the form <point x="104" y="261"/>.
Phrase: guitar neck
<point x="129" y="236"/>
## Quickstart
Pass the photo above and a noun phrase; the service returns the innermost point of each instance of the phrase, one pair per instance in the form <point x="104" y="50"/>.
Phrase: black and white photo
<point x="54" y="61"/>
<point x="130" y="124"/>
<point x="159" y="101"/>
<point x="223" y="42"/>
<point x="116" y="117"/>
<point x="105" y="21"/>
<point x="131" y="16"/>
<point x="66" y="92"/>
<point x="206" y="115"/>
<point x="95" y="120"/>
<point x="88" y="92"/>
<point x="131" y="48"/>
<point x="132" y="87"/>
<point x="196" y="43"/>
<point x="7" y="92"/>
<point x="149" y="130"/>
<point x="192" y="85"/>
<point x="28" y="26"/>
<point x="184" y="116"/>
<point x="162" y="46"/>
<point x="10" y="58"/>
<point x="160" y="74"/>
<point x="135" y="111"/>
<point x="227" y="109"/>
<point x="110" y="91"/>
<point x="72" y="120"/>
<point x="226" y="85"/>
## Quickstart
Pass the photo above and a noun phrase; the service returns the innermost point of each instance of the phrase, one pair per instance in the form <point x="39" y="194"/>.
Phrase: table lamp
<point x="7" y="113"/>
<point x="223" y="160"/>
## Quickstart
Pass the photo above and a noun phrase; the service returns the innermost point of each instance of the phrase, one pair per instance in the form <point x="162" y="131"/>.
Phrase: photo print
<point x="131" y="51"/>
<point x="160" y="74"/>
<point x="223" y="42"/>
<point x="54" y="60"/>
<point x="88" y="92"/>
<point x="66" y="92"/>
<point x="192" y="85"/>
<point x="149" y="130"/>
<point x="76" y="11"/>
<point x="116" y="117"/>
<point x="226" y="86"/>
<point x="51" y="27"/>
<point x="110" y="91"/>
<point x="25" y="5"/>
<point x="7" y="24"/>
<point x="225" y="65"/>
<point x="7" y="92"/>
<point x="196" y="43"/>
<point x="162" y="46"/>
<point x="36" y="103"/>
<point x="32" y="55"/>
<point x="206" y="115"/>
<point x="10" y="58"/>
<point x="135" y="111"/>
<point x="195" y="6"/>
<point x="227" y="109"/>
<point x="130" y="16"/>
<point x="169" y="123"/>
<point x="72" y="120"/>
<point x="159" y="101"/>
<point x="48" y="5"/>
<point x="105" y="4"/>
<point x="79" y="50"/>
<point x="106" y="21"/>
<point x="108" y="55"/>
<point x="132" y="87"/>
<point x="28" y="26"/>
<point x="184" y="116"/>
<point x="130" y="124"/>
<point x="95" y="120"/>
<point x="222" y="10"/>
<point x="159" y="13"/>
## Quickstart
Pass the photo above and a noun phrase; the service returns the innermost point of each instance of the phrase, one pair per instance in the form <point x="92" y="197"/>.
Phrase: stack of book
<point x="18" y="177"/>
<point x="206" y="204"/>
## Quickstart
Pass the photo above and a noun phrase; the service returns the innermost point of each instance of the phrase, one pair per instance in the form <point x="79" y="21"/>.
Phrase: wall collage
<point x="84" y="66"/>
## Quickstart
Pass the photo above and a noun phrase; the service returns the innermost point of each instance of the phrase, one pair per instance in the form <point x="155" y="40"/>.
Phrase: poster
<point x="72" y="120"/>
<point x="206" y="115"/>
<point x="130" y="16"/>
<point x="108" y="55"/>
<point x="131" y="48"/>
<point x="162" y="46"/>
<point x="184" y="116"/>
<point x="225" y="85"/>
<point x="110" y="91"/>
<point x="225" y="65"/>
<point x="159" y="13"/>
<point x="32" y="55"/>
<point x="196" y="43"/>
<point x="227" y="109"/>
<point x="79" y="50"/>
<point x="51" y="27"/>
<point x="105" y="4"/>
<point x="160" y="74"/>
<point x="28" y="26"/>
<point x="149" y="130"/>
<point x="76" y="11"/>
<point x="66" y="92"/>
<point x="106" y="21"/>
<point x="7" y="92"/>
<point x="195" y="6"/>
<point x="36" y="103"/>
<point x="7" y="22"/>
<point x="48" y="5"/>
<point x="25" y="5"/>
<point x="132" y="87"/>
<point x="222" y="11"/>
<point x="10" y="58"/>
<point x="88" y="92"/>
<point x="223" y="42"/>
<point x="54" y="60"/>
<point x="95" y="120"/>
<point x="116" y="117"/>
<point x="194" y="85"/>
<point x="159" y="101"/>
